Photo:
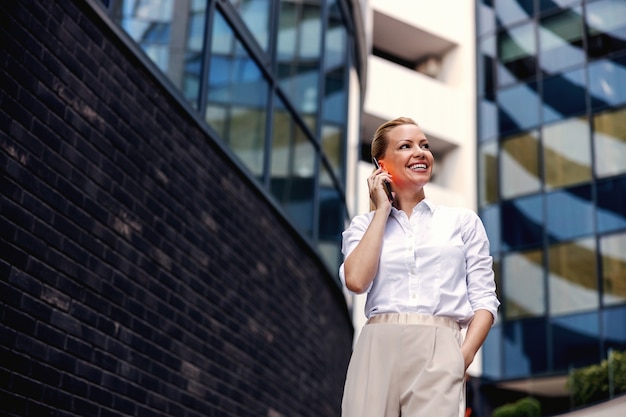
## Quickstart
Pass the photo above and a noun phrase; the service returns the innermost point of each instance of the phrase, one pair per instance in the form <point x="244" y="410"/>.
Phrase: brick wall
<point x="142" y="273"/>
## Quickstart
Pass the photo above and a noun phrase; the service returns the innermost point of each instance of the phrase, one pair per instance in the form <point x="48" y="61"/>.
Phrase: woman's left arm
<point x="476" y="334"/>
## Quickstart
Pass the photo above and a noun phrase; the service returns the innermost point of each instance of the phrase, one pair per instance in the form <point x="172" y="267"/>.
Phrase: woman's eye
<point x="425" y="146"/>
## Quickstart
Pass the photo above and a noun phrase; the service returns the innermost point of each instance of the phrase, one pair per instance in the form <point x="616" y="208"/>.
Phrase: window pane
<point x="613" y="258"/>
<point x="611" y="211"/>
<point x="575" y="341"/>
<point x="561" y="41"/>
<point x="516" y="52"/>
<point x="546" y="5"/>
<point x="522" y="222"/>
<point x="486" y="18"/>
<point x="606" y="82"/>
<point x="511" y="11"/>
<point x="606" y="23"/>
<point x="292" y="169"/>
<point x="572" y="277"/>
<point x="523" y="284"/>
<point x="519" y="165"/>
<point x="332" y="146"/>
<point x="488" y="128"/>
<point x="485" y="67"/>
<point x="613" y="328"/>
<point x="298" y="55"/>
<point x="525" y="347"/>
<point x="255" y="13"/>
<point x="564" y="95"/>
<point x="488" y="173"/>
<point x="518" y="108"/>
<point x="491" y="219"/>
<point x="335" y="83"/>
<point x="569" y="213"/>
<point x="492" y="367"/>
<point x="237" y="97"/>
<point x="609" y="139"/>
<point x="567" y="153"/>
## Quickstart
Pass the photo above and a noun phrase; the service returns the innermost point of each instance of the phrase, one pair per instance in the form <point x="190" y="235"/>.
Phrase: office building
<point x="552" y="187"/>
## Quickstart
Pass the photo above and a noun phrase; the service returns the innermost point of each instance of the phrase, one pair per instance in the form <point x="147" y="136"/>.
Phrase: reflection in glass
<point x="564" y="95"/>
<point x="486" y="18"/>
<point x="488" y="128"/>
<point x="523" y="276"/>
<point x="485" y="66"/>
<point x="256" y="15"/>
<point x="561" y="40"/>
<point x="292" y="169"/>
<point x="490" y="216"/>
<point x="516" y="52"/>
<point x="613" y="258"/>
<point x="332" y="147"/>
<point x="298" y="55"/>
<point x="511" y="11"/>
<point x="330" y="220"/>
<point x="522" y="222"/>
<point x="606" y="24"/>
<point x="611" y="210"/>
<point x="546" y="5"/>
<point x="519" y="165"/>
<point x="575" y="341"/>
<point x="613" y="328"/>
<point x="492" y="349"/>
<point x="518" y="108"/>
<point x="609" y="139"/>
<point x="237" y="97"/>
<point x="488" y="172"/>
<point x="567" y="152"/>
<point x="525" y="347"/>
<point x="335" y="73"/>
<point x="606" y="82"/>
<point x="572" y="276"/>
<point x="569" y="213"/>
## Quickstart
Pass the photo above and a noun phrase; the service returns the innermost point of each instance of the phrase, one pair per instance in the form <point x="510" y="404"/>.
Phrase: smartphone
<point x="387" y="185"/>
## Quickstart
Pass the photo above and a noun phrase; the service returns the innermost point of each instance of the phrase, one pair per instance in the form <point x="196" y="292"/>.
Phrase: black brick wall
<point x="142" y="272"/>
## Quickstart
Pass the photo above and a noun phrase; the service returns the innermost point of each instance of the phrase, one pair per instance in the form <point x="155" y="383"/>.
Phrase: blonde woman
<point x="427" y="273"/>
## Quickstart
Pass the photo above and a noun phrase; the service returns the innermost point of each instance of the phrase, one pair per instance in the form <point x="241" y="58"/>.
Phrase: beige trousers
<point x="407" y="365"/>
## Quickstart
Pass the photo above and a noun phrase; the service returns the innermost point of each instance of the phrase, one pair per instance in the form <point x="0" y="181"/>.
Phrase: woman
<point x="427" y="273"/>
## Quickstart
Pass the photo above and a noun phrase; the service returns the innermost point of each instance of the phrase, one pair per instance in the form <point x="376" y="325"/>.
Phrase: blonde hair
<point x="379" y="141"/>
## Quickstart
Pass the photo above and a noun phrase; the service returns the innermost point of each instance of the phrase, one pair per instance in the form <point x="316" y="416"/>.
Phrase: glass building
<point x="273" y="81"/>
<point x="552" y="181"/>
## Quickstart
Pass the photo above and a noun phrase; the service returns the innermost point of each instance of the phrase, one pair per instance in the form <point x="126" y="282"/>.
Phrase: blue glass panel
<point x="607" y="82"/>
<point x="518" y="108"/>
<point x="486" y="18"/>
<point x="522" y="221"/>
<point x="512" y="11"/>
<point x="525" y="347"/>
<point x="613" y="262"/>
<point x="255" y="13"/>
<point x="569" y="213"/>
<point x="491" y="219"/>
<point x="606" y="25"/>
<point x="488" y="128"/>
<point x="575" y="341"/>
<point x="548" y="5"/>
<point x="611" y="211"/>
<point x="614" y="328"/>
<point x="564" y="95"/>
<point x="517" y="54"/>
<point x="561" y="41"/>
<point x="492" y="353"/>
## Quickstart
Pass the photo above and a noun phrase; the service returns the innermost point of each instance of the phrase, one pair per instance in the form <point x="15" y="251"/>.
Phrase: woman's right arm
<point x="361" y="265"/>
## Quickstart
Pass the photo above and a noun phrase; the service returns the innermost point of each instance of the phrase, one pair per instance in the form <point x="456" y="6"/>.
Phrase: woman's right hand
<point x="378" y="194"/>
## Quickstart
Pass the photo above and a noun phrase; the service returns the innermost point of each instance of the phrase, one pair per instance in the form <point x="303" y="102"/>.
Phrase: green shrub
<point x="591" y="384"/>
<point x="526" y="407"/>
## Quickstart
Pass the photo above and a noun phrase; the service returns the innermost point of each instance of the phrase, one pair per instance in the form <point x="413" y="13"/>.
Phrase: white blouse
<point x="437" y="262"/>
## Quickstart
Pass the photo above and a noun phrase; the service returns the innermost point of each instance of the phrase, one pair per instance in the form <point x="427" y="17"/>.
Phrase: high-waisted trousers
<point x="407" y="365"/>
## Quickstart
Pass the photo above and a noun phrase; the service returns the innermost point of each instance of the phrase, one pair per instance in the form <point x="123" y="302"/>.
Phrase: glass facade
<point x="270" y="79"/>
<point x="552" y="180"/>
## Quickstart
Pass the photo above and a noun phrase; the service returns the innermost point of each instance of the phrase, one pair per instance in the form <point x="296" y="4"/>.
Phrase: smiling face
<point x="407" y="157"/>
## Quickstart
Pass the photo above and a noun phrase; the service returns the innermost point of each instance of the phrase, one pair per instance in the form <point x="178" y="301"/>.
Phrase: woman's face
<point x="407" y="157"/>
